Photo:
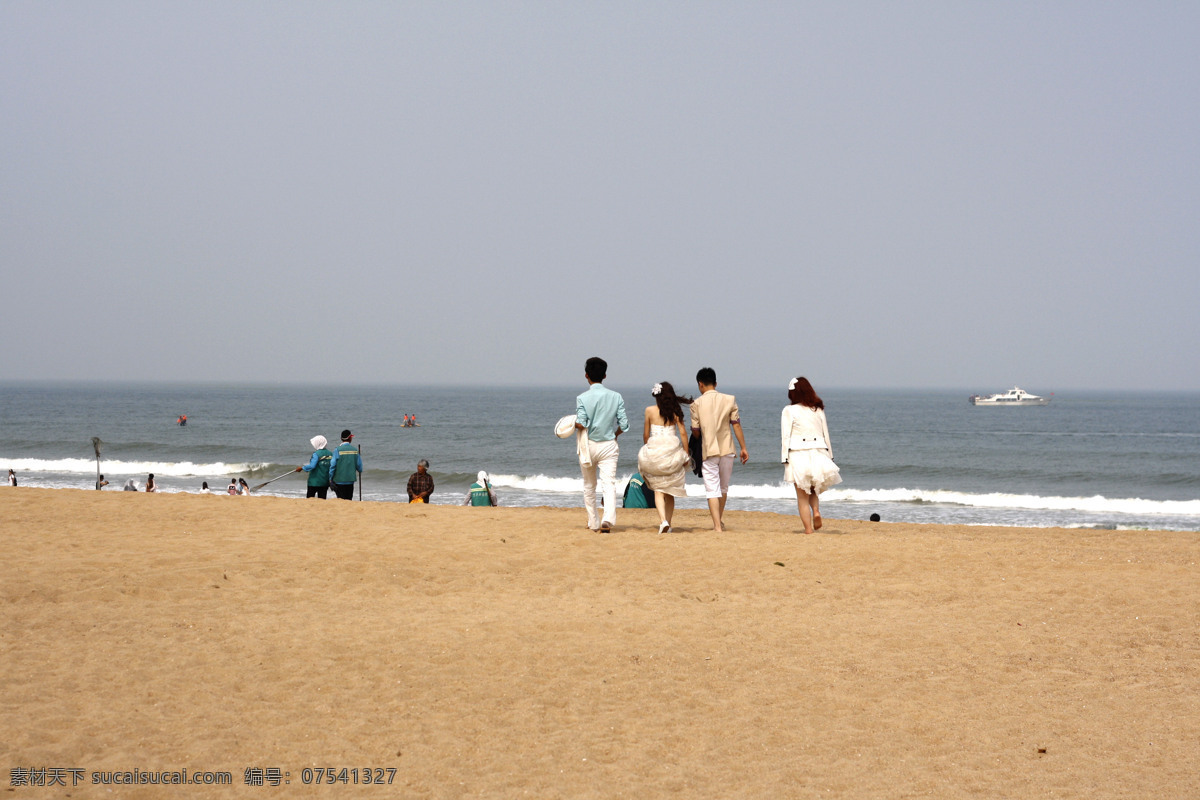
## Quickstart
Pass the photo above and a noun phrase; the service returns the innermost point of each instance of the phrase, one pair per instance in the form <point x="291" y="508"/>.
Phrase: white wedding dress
<point x="663" y="461"/>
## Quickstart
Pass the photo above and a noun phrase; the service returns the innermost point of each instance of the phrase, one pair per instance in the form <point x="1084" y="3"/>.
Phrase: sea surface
<point x="1087" y="460"/>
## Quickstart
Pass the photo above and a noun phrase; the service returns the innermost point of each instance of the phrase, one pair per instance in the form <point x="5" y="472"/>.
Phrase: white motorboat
<point x="1015" y="396"/>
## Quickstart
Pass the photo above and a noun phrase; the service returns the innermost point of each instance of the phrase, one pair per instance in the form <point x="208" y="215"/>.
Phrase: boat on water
<point x="1015" y="396"/>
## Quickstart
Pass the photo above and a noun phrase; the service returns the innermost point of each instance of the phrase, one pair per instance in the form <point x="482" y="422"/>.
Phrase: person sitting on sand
<point x="481" y="493"/>
<point x="420" y="483"/>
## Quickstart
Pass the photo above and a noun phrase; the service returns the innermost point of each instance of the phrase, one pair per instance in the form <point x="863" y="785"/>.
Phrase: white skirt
<point x="811" y="470"/>
<point x="663" y="463"/>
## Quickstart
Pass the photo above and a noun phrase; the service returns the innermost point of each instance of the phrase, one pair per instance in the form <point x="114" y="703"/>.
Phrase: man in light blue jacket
<point x="600" y="412"/>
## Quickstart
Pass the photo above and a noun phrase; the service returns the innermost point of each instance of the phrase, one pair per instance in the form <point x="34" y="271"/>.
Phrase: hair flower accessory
<point x="792" y="385"/>
<point x="656" y="389"/>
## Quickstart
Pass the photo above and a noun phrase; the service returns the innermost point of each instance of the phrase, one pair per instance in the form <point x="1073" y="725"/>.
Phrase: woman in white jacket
<point x="807" y="451"/>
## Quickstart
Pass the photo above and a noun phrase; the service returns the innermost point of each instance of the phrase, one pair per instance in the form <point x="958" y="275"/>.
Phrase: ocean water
<point x="1088" y="459"/>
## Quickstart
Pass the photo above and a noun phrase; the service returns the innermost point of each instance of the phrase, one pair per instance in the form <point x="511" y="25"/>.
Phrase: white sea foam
<point x="995" y="500"/>
<point x="88" y="466"/>
<point x="1096" y="503"/>
<point x="539" y="483"/>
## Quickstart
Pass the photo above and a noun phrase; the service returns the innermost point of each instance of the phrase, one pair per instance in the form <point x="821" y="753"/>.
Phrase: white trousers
<point x="604" y="466"/>
<point x="717" y="472"/>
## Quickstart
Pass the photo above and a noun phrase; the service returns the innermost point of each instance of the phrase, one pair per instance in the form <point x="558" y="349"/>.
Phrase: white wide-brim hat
<point x="565" y="427"/>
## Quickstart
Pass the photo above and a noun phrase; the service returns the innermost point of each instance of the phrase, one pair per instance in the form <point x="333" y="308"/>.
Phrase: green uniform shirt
<point x="346" y="469"/>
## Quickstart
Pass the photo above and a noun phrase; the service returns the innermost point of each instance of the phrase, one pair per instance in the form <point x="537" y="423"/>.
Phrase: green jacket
<point x="479" y="495"/>
<point x="346" y="464"/>
<point x="637" y="493"/>
<point x="318" y="468"/>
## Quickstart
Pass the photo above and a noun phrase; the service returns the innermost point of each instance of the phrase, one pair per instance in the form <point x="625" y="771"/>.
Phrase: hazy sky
<point x="962" y="194"/>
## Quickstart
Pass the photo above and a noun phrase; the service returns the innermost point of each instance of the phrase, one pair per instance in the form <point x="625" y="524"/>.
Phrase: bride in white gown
<point x="663" y="459"/>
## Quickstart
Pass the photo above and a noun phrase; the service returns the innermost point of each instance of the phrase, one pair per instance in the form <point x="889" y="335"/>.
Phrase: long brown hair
<point x="804" y="394"/>
<point x="668" y="403"/>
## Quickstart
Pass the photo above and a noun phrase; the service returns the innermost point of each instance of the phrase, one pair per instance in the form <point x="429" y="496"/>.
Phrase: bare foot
<point x="816" y="523"/>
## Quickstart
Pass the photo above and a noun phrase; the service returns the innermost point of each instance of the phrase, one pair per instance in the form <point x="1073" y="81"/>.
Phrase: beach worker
<point x="12" y="478"/>
<point x="151" y="486"/>
<point x="663" y="459"/>
<point x="481" y="493"/>
<point x="182" y="419"/>
<point x="637" y="493"/>
<point x="101" y="483"/>
<point x="243" y="487"/>
<point x="130" y="486"/>
<point x="807" y="452"/>
<point x="600" y="413"/>
<point x="420" y="483"/>
<point x="232" y="488"/>
<point x="407" y="421"/>
<point x="414" y="421"/>
<point x="714" y="415"/>
<point x="318" y="468"/>
<point x="345" y="465"/>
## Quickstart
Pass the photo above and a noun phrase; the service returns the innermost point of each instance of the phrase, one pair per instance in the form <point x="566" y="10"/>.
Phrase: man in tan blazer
<point x="714" y="416"/>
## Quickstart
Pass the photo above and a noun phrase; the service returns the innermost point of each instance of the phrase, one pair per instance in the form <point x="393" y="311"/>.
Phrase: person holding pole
<point x="318" y="468"/>
<point x="345" y="466"/>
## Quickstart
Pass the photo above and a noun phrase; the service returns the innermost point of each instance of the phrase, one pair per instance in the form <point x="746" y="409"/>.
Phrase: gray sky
<point x="959" y="195"/>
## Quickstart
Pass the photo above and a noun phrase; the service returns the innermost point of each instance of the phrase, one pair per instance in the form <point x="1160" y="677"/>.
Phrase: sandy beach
<point x="480" y="653"/>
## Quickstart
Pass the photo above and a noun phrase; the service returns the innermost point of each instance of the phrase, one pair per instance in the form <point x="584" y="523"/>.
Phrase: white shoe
<point x="664" y="527"/>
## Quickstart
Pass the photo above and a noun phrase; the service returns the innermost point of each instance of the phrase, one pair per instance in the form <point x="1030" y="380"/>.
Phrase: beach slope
<point x="470" y="653"/>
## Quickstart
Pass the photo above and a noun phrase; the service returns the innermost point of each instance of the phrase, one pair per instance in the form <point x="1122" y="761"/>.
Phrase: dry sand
<point x="512" y="653"/>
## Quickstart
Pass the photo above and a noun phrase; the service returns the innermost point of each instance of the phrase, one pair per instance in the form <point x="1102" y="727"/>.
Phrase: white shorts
<point x="717" y="471"/>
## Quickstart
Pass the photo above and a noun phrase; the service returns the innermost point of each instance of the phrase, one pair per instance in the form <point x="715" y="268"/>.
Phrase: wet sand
<point x="509" y="652"/>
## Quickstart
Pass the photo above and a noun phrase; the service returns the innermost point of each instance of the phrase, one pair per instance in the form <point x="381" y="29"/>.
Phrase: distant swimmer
<point x="12" y="478"/>
<point x="182" y="420"/>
